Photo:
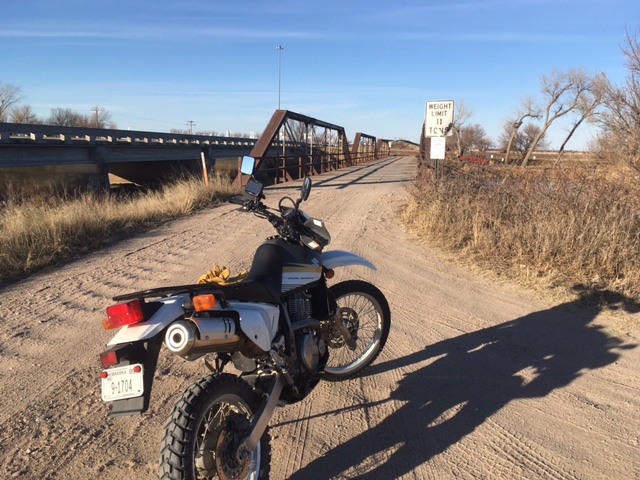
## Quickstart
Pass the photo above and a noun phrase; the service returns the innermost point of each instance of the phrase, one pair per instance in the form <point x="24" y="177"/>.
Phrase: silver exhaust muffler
<point x="194" y="337"/>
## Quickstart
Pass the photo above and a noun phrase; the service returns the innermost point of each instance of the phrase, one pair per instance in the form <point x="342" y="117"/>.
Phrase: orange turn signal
<point x="202" y="303"/>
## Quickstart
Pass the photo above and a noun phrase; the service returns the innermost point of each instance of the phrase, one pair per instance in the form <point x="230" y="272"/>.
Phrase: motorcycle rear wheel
<point x="365" y="312"/>
<point x="205" y="423"/>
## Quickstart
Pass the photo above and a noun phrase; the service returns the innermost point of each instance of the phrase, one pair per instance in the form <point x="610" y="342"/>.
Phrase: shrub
<point x="41" y="231"/>
<point x="577" y="224"/>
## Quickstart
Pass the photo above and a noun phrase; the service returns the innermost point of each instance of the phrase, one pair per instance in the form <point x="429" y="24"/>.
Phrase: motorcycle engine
<point x="311" y="347"/>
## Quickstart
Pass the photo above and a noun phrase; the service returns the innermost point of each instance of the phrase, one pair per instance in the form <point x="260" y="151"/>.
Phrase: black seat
<point x="264" y="282"/>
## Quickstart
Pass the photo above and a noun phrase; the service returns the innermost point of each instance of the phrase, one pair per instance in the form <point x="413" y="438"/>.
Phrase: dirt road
<point x="479" y="380"/>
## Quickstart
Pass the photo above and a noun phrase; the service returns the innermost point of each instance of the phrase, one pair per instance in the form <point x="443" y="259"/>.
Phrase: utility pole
<point x="279" y="48"/>
<point x="191" y="123"/>
<point x="96" y="114"/>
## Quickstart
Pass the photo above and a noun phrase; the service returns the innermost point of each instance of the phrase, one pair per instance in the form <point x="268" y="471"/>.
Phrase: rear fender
<point x="140" y="343"/>
<point x="145" y="353"/>
<point x="338" y="258"/>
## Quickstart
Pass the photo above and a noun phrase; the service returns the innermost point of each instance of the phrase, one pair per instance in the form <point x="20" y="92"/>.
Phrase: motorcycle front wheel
<point x="365" y="312"/>
<point x="203" y="429"/>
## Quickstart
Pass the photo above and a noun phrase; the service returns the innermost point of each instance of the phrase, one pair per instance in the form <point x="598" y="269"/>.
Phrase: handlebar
<point x="288" y="222"/>
<point x="285" y="223"/>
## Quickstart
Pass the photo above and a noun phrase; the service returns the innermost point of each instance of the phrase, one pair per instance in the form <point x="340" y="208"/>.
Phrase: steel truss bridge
<point x="292" y="146"/>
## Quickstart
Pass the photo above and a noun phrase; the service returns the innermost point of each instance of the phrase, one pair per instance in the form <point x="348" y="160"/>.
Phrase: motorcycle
<point x="282" y="328"/>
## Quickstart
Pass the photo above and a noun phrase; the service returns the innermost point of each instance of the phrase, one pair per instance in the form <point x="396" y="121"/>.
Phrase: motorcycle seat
<point x="264" y="282"/>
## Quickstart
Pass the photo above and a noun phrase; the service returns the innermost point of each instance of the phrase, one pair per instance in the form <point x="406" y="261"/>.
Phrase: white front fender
<point x="339" y="258"/>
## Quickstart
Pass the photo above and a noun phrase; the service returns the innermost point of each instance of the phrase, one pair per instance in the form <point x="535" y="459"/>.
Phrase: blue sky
<point x="368" y="66"/>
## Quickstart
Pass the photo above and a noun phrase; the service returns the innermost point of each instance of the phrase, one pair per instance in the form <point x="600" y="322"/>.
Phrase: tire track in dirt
<point x="514" y="450"/>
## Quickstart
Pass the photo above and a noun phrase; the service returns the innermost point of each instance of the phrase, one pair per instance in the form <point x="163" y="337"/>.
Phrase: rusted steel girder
<point x="364" y="148"/>
<point x="384" y="147"/>
<point x="295" y="145"/>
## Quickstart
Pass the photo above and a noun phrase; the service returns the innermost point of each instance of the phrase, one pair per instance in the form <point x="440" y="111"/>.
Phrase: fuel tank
<point x="285" y="266"/>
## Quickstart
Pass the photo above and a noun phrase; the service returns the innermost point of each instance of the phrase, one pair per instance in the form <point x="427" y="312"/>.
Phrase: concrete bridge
<point x="293" y="145"/>
<point x="73" y="155"/>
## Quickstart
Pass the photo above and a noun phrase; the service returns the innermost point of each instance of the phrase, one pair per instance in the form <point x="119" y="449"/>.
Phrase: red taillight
<point x="123" y="314"/>
<point x="109" y="359"/>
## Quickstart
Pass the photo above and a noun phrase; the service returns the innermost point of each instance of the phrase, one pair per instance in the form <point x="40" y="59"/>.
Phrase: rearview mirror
<point x="248" y="164"/>
<point x="306" y="189"/>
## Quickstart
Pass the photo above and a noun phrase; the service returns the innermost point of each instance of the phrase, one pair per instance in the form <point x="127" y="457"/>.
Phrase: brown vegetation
<point x="560" y="226"/>
<point x="41" y="231"/>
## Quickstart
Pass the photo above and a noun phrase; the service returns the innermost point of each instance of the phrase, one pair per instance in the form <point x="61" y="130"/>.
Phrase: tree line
<point x="575" y="94"/>
<point x="12" y="111"/>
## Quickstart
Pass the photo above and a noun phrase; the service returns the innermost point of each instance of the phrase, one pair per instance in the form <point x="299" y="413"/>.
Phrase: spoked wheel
<point x="204" y="430"/>
<point x="365" y="313"/>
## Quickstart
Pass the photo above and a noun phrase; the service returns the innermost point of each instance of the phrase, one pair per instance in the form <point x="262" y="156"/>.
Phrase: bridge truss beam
<point x="295" y="145"/>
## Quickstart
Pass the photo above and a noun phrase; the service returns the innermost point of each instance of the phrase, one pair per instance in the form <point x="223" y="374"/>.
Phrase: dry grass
<point x="36" y="233"/>
<point x="577" y="224"/>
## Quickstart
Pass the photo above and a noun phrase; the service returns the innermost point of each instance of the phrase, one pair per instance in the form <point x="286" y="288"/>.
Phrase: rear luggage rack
<point x="165" y="291"/>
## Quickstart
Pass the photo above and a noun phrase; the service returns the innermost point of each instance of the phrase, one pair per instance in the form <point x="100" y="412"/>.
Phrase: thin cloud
<point x="496" y="37"/>
<point x="398" y="12"/>
<point x="159" y="32"/>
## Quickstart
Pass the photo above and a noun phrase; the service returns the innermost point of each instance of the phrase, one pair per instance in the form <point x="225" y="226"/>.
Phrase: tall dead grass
<point x="37" y="233"/>
<point x="558" y="226"/>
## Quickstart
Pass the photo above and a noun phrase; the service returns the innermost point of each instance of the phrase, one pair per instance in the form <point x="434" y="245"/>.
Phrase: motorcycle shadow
<point x="469" y="379"/>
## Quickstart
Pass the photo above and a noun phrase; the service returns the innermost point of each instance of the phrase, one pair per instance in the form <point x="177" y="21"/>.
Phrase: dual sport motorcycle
<point x="283" y="328"/>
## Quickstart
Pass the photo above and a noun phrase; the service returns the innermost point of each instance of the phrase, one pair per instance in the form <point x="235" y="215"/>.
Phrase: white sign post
<point x="438" y="124"/>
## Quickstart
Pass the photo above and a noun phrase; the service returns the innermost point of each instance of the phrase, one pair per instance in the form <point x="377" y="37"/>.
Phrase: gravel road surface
<point x="479" y="379"/>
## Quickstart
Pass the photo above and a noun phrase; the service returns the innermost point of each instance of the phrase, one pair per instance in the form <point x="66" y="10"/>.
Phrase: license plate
<point x="122" y="382"/>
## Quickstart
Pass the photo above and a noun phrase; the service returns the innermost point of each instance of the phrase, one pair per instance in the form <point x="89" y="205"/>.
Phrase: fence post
<point x="204" y="169"/>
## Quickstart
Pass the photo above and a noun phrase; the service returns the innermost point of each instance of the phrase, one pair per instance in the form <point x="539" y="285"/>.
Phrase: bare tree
<point x="562" y="92"/>
<point x="10" y="95"/>
<point x="23" y="114"/>
<point x="100" y="118"/>
<point x="587" y="106"/>
<point x="527" y="109"/>
<point x="473" y="137"/>
<point x="461" y="117"/>
<point x="620" y="120"/>
<point x="65" y="117"/>
<point x="522" y="138"/>
<point x="532" y="137"/>
<point x="482" y="141"/>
